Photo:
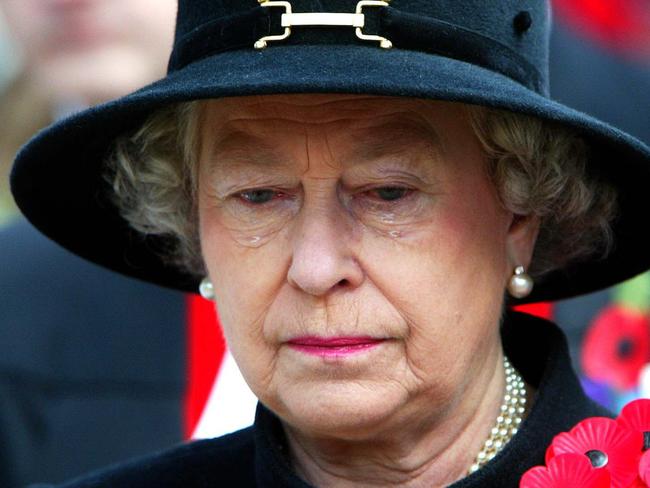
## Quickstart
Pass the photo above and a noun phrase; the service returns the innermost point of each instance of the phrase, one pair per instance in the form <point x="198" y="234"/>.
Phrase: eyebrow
<point x="394" y="139"/>
<point x="391" y="139"/>
<point x="236" y="144"/>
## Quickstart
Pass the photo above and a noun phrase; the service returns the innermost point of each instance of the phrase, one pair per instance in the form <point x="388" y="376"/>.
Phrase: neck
<point x="413" y="451"/>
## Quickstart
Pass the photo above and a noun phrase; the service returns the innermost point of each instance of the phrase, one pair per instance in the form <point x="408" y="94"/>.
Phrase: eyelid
<point x="363" y="198"/>
<point x="241" y="194"/>
<point x="391" y="187"/>
<point x="389" y="176"/>
<point x="285" y="196"/>
<point x="257" y="182"/>
<point x="379" y="201"/>
<point x="368" y="184"/>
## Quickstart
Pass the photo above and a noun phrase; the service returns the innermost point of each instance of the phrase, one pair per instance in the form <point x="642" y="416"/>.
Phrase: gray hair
<point x="538" y="168"/>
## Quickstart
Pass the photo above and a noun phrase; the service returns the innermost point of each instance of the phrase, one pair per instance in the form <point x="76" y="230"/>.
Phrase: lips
<point x="334" y="346"/>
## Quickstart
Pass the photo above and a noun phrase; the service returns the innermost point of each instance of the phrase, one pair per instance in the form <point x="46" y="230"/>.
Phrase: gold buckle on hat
<point x="356" y="20"/>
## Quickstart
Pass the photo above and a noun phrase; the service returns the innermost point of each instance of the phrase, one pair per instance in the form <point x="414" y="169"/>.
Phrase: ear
<point x="520" y="241"/>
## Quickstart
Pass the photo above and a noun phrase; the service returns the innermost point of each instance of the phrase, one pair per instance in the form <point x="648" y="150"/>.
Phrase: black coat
<point x="255" y="457"/>
<point x="92" y="364"/>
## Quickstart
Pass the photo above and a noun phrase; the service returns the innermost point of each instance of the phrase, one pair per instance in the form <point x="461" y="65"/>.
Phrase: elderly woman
<point x="365" y="209"/>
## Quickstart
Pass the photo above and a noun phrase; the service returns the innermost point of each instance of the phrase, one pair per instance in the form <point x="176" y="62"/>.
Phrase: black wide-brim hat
<point x="492" y="53"/>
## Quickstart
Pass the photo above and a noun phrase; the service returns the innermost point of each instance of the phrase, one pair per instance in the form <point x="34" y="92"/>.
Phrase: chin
<point x="351" y="411"/>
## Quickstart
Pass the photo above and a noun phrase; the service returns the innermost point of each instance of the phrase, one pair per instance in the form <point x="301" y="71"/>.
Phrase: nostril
<point x="343" y="283"/>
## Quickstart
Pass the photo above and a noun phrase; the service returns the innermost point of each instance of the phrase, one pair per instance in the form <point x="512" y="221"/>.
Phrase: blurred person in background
<point x="77" y="53"/>
<point x="94" y="367"/>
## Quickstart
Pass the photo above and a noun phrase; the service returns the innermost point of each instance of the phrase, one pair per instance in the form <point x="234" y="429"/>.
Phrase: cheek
<point x="458" y="252"/>
<point x="446" y="279"/>
<point x="247" y="273"/>
<point x="246" y="281"/>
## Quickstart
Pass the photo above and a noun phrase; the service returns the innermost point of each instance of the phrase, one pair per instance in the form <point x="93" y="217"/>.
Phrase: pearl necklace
<point x="510" y="416"/>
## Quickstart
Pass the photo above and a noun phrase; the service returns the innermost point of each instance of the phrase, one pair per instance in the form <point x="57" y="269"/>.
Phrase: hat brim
<point x="57" y="183"/>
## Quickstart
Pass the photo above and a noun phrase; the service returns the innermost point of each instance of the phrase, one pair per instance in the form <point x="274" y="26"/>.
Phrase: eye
<point x="390" y="193"/>
<point x="259" y="196"/>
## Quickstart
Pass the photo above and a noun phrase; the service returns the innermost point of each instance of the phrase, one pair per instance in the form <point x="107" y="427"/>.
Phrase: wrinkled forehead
<point x="238" y="122"/>
<point x="322" y="108"/>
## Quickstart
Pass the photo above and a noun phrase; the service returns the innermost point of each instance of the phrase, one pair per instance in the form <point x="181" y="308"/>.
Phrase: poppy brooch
<point x="599" y="452"/>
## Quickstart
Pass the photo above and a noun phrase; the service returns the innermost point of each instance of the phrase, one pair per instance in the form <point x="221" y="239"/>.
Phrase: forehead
<point x="240" y="123"/>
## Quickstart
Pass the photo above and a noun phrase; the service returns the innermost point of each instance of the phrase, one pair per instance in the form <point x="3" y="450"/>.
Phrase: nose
<point x="323" y="258"/>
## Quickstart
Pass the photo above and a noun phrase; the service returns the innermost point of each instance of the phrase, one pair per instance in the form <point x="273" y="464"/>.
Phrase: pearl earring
<point x="521" y="284"/>
<point x="206" y="289"/>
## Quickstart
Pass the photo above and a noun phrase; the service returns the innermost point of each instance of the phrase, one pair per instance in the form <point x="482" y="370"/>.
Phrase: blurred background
<point x="96" y="368"/>
<point x="600" y="64"/>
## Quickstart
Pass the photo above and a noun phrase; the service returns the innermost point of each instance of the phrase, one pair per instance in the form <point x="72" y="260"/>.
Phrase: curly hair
<point x="152" y="173"/>
<point x="538" y="168"/>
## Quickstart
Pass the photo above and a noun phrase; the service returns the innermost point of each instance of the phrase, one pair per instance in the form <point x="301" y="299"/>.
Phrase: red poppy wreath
<point x="599" y="453"/>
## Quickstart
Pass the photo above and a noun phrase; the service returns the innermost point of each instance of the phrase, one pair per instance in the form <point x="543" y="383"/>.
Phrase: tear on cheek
<point x="410" y="233"/>
<point x="256" y="238"/>
<point x="251" y="229"/>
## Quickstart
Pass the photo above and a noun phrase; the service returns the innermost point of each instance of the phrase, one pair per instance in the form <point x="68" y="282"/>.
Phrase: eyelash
<point x="407" y="192"/>
<point x="241" y="195"/>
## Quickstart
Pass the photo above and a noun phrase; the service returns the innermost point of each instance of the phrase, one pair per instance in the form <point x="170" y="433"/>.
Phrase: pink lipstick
<point x="333" y="346"/>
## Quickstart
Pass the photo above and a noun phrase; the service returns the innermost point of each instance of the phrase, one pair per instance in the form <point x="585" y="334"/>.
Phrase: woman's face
<point x="359" y="255"/>
<point x="92" y="49"/>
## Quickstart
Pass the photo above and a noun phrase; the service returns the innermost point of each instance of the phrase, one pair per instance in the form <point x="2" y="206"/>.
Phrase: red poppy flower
<point x="636" y="416"/>
<point x="644" y="468"/>
<point x="621" y="25"/>
<point x="606" y="444"/>
<point x="616" y="347"/>
<point x="638" y="483"/>
<point x="566" y="471"/>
